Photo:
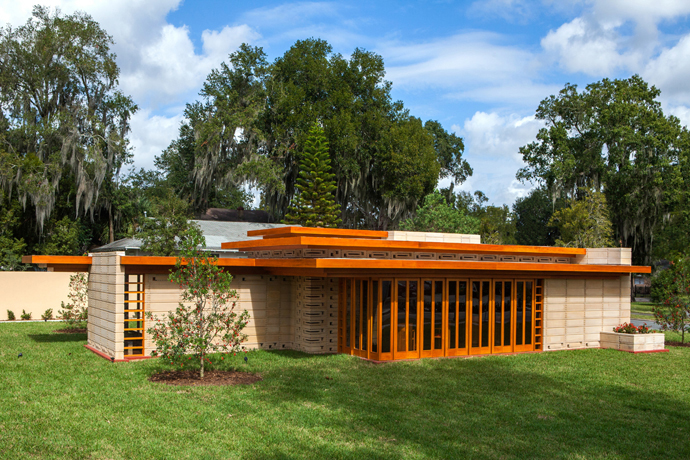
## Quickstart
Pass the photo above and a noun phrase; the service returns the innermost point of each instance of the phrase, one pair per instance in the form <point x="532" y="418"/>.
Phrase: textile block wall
<point x="316" y="315"/>
<point x="268" y="299"/>
<point x="106" y="304"/>
<point x="576" y="311"/>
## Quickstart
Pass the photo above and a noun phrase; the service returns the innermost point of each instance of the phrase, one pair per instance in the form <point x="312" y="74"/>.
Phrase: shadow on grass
<point x="486" y="408"/>
<point x="56" y="338"/>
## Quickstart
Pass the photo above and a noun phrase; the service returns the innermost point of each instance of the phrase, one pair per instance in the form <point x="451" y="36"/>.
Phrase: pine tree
<point x="314" y="204"/>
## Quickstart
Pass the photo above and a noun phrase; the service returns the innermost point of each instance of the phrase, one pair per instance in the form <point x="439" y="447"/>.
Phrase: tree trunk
<point x="111" y="227"/>
<point x="201" y="373"/>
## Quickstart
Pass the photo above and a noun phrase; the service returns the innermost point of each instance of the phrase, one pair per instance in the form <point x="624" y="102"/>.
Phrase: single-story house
<point x="374" y="294"/>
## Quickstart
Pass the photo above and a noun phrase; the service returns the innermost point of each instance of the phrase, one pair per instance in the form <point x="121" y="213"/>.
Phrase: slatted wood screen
<point x="135" y="307"/>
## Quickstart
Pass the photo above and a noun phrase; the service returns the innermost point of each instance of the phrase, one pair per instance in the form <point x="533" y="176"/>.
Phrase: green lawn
<point x="61" y="401"/>
<point x="642" y="310"/>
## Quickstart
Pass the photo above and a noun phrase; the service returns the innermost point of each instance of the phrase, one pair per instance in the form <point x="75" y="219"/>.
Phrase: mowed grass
<point x="61" y="401"/>
<point x="642" y="310"/>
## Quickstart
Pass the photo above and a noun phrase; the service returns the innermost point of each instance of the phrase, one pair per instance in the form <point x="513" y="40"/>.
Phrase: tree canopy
<point x="437" y="215"/>
<point x="532" y="214"/>
<point x="613" y="136"/>
<point x="252" y="120"/>
<point x="61" y="113"/>
<point x="584" y="223"/>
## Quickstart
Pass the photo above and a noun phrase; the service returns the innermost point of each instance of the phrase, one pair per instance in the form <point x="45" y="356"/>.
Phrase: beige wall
<point x="268" y="299"/>
<point x="576" y="311"/>
<point x="34" y="292"/>
<point x="433" y="237"/>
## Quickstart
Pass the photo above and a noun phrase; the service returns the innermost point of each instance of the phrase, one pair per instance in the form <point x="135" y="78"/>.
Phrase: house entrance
<point x="408" y="318"/>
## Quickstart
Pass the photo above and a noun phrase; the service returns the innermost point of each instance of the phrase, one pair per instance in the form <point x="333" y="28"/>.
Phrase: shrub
<point x="205" y="321"/>
<point x="74" y="313"/>
<point x="25" y="316"/>
<point x="627" y="328"/>
<point x="10" y="315"/>
<point x="47" y="315"/>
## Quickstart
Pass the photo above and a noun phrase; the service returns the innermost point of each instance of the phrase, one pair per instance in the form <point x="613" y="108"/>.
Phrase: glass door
<point x="480" y="328"/>
<point x="503" y="316"/>
<point x="432" y="318"/>
<point x="524" y="311"/>
<point x="407" y="328"/>
<point x="385" y="319"/>
<point x="457" y="318"/>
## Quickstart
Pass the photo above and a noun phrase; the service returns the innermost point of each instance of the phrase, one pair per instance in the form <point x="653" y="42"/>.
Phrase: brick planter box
<point x="633" y="342"/>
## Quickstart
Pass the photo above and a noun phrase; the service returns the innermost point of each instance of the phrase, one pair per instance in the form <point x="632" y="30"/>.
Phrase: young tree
<point x="75" y="312"/>
<point x="438" y="216"/>
<point x="205" y="321"/>
<point x="168" y="227"/>
<point x="674" y="290"/>
<point x="584" y="223"/>
<point x="314" y="204"/>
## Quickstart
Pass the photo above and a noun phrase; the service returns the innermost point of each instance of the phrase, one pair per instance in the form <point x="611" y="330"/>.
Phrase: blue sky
<point x="480" y="68"/>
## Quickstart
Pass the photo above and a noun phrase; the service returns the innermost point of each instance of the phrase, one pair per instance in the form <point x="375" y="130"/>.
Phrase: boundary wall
<point x="34" y="292"/>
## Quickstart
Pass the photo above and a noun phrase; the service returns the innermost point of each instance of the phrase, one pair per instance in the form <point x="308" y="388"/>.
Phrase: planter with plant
<point x="628" y="337"/>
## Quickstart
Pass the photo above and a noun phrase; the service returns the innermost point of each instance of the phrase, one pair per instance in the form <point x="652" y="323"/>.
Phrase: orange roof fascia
<point x="57" y="260"/>
<point x="401" y="264"/>
<point x="298" y="242"/>
<point x="281" y="232"/>
<point x="448" y="264"/>
<point x="170" y="261"/>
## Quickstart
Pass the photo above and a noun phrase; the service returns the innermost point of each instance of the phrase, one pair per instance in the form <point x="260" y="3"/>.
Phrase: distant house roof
<point x="236" y="215"/>
<point x="214" y="232"/>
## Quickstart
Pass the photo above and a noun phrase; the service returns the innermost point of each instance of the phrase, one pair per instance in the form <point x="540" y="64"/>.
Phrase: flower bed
<point x="636" y="339"/>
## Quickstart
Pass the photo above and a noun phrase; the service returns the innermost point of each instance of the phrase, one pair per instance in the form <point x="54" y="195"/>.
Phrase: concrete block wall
<point x="106" y="304"/>
<point x="576" y="311"/>
<point x="316" y="315"/>
<point x="268" y="299"/>
<point x="433" y="237"/>
<point x="606" y="256"/>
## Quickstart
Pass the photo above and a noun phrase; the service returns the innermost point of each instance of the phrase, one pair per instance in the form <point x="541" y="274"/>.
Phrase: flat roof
<point x="287" y="238"/>
<point x="306" y="242"/>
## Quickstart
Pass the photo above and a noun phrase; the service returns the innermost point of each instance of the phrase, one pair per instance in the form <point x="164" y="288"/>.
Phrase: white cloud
<point x="470" y="58"/>
<point x="150" y="135"/>
<point x="169" y="68"/>
<point x="290" y="13"/>
<point x="492" y="143"/>
<point x="589" y="47"/>
<point x="510" y="10"/>
<point x="641" y="10"/>
<point x="670" y="71"/>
